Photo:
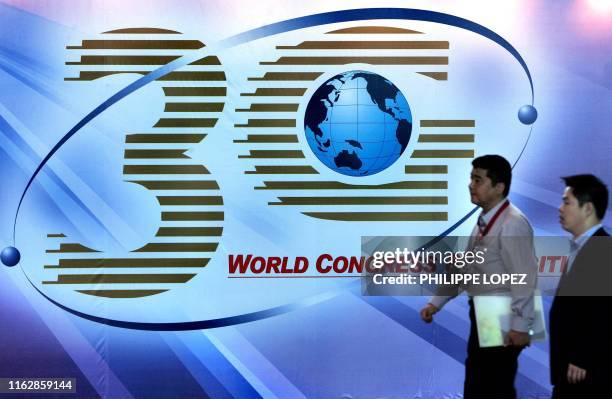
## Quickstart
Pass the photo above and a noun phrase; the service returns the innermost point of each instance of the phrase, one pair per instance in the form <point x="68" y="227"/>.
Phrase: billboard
<point x="187" y="185"/>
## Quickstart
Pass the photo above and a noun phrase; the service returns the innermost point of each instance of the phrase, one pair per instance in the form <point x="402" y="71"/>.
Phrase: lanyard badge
<point x="483" y="231"/>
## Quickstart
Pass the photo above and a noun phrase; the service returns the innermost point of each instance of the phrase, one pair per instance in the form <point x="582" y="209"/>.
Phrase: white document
<point x="493" y="315"/>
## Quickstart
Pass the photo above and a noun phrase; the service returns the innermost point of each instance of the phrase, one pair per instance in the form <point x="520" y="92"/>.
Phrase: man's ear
<point x="500" y="187"/>
<point x="589" y="208"/>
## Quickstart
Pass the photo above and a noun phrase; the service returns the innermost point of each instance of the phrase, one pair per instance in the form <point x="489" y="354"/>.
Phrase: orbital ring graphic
<point x="527" y="114"/>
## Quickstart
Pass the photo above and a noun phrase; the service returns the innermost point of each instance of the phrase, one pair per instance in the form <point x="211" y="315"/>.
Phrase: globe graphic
<point x="358" y="123"/>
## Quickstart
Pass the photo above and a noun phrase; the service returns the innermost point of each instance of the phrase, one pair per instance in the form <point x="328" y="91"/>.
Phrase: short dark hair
<point x="498" y="169"/>
<point x="588" y="188"/>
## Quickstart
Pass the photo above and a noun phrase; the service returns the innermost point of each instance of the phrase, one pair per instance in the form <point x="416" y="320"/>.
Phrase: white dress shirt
<point x="577" y="243"/>
<point x="509" y="249"/>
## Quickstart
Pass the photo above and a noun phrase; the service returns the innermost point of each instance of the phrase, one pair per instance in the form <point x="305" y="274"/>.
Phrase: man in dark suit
<point x="580" y="333"/>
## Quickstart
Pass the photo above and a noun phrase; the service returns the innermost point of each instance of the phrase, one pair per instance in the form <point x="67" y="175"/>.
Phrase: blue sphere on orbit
<point x="10" y="256"/>
<point x="358" y="123"/>
<point x="527" y="114"/>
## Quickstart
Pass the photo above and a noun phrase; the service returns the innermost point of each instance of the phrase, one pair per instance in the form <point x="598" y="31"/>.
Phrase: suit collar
<point x="601" y="232"/>
<point x="584" y="237"/>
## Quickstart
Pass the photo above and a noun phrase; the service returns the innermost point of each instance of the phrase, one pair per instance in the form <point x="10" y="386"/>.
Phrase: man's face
<point x="482" y="192"/>
<point x="572" y="216"/>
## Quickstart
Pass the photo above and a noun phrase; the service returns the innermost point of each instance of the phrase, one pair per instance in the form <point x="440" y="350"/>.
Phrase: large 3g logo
<point x="191" y="225"/>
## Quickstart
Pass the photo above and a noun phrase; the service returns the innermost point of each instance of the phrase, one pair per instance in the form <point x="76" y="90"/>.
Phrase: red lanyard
<point x="493" y="220"/>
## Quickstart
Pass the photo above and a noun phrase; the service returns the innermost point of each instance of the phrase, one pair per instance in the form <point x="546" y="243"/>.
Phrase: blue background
<point x="345" y="346"/>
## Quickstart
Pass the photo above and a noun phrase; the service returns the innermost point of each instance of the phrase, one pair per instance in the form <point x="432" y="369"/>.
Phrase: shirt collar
<point x="582" y="238"/>
<point x="486" y="217"/>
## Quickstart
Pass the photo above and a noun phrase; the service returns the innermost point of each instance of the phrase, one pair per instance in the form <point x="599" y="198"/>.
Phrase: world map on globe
<point x="358" y="123"/>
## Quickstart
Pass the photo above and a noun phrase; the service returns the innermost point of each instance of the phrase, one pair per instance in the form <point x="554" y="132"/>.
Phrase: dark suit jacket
<point x="580" y="331"/>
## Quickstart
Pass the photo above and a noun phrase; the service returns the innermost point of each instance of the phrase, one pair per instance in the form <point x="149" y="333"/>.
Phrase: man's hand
<point x="575" y="374"/>
<point x="517" y="338"/>
<point x="427" y="312"/>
